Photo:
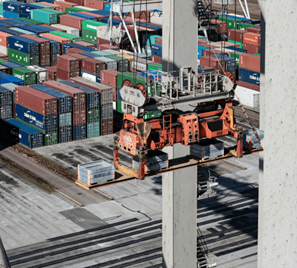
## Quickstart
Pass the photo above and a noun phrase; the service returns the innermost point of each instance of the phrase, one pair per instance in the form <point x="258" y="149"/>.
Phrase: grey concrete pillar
<point x="179" y="35"/>
<point x="4" y="263"/>
<point x="179" y="214"/>
<point x="277" y="238"/>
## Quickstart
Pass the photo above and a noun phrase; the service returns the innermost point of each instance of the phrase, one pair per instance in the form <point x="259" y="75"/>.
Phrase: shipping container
<point x="6" y="111"/>
<point x="65" y="134"/>
<point x="14" y="7"/>
<point x="23" y="44"/>
<point x="253" y="30"/>
<point x="109" y="77"/>
<point x="68" y="29"/>
<point x="106" y="127"/>
<point x="5" y="69"/>
<point x="100" y="53"/>
<point x="55" y="46"/>
<point x="249" y="62"/>
<point x="249" y="76"/>
<point x="106" y="92"/>
<point x="235" y="35"/>
<point x="84" y="16"/>
<point x="92" y="96"/>
<point x="73" y="9"/>
<point x="107" y="48"/>
<point x="30" y="21"/>
<point x="95" y="4"/>
<point x="66" y="35"/>
<point x="68" y="63"/>
<point x="107" y="111"/>
<point x="52" y="73"/>
<point x="157" y="50"/>
<point x="66" y="75"/>
<point x="111" y="64"/>
<point x="55" y="6"/>
<point x="4" y="38"/>
<point x="93" y="129"/>
<point x="64" y="4"/>
<point x="97" y="16"/>
<point x="21" y="31"/>
<point x="44" y="45"/>
<point x="95" y="172"/>
<point x="251" y="49"/>
<point x="71" y="21"/>
<point x="92" y="66"/>
<point x="79" y="132"/>
<point x="23" y="58"/>
<point x="86" y="44"/>
<point x="11" y="79"/>
<point x="6" y="96"/>
<point x="122" y="64"/>
<point x="252" y="38"/>
<point x="64" y="100"/>
<point x="248" y="85"/>
<point x="22" y="133"/>
<point x="89" y="36"/>
<point x="62" y="40"/>
<point x="38" y="101"/>
<point x="58" y="13"/>
<point x="228" y="62"/>
<point x="28" y="76"/>
<point x="91" y="77"/>
<point x="44" y="16"/>
<point x="46" y="123"/>
<point x="41" y="73"/>
<point x="90" y="25"/>
<point x="247" y="97"/>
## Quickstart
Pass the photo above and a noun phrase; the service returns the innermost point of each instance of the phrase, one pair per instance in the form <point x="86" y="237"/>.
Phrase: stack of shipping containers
<point x="6" y="102"/>
<point x="67" y="67"/>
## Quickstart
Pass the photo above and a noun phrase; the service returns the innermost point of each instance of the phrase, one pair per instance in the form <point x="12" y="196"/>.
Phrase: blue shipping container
<point x="26" y="135"/>
<point x="46" y="123"/>
<point x="230" y="62"/>
<point x="11" y="65"/>
<point x="91" y="77"/>
<point x="249" y="76"/>
<point x="43" y="28"/>
<point x="5" y="96"/>
<point x="22" y="15"/>
<point x="12" y="79"/>
<point x="20" y="22"/>
<point x="200" y="51"/>
<point x="92" y="96"/>
<point x="55" y="46"/>
<point x="9" y="31"/>
<point x="23" y="44"/>
<point x="79" y="132"/>
<point x="26" y="8"/>
<point x="10" y="86"/>
<point x="237" y="49"/>
<point x="106" y="111"/>
<point x="54" y="59"/>
<point x="101" y="12"/>
<point x="157" y="50"/>
<point x="64" y="100"/>
<point x="31" y="29"/>
<point x="14" y="7"/>
<point x="8" y="14"/>
<point x="6" y="111"/>
<point x="65" y="134"/>
<point x="2" y="74"/>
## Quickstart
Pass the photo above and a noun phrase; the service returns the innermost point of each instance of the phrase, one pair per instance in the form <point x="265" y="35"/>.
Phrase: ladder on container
<point x="167" y="126"/>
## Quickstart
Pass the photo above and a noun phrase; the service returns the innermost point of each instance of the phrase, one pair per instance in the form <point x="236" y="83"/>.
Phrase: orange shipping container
<point x="3" y="38"/>
<point x="252" y="38"/>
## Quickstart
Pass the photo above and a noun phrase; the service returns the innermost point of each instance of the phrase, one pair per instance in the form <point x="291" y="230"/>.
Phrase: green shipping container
<point x="3" y="60"/>
<point x="93" y="115"/>
<point x="89" y="36"/>
<point x="93" y="129"/>
<point x="101" y="53"/>
<point x="236" y="56"/>
<point x="119" y="107"/>
<point x="155" y="66"/>
<point x="235" y="42"/>
<point x="231" y="22"/>
<point x="72" y="37"/>
<point x="242" y="26"/>
<point x="152" y="114"/>
<point x="30" y="21"/>
<point x="29" y="76"/>
<point x="56" y="12"/>
<point x="44" y="16"/>
<point x="134" y="79"/>
<point x="91" y="25"/>
<point x="22" y="58"/>
<point x="1" y="8"/>
<point x="123" y="64"/>
<point x="74" y="9"/>
<point x="65" y="119"/>
<point x="258" y="55"/>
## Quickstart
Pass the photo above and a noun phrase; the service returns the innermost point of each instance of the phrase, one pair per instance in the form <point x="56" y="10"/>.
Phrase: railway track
<point x="254" y="116"/>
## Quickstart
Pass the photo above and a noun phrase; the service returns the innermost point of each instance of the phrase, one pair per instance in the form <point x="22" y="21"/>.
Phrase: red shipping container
<point x="225" y="44"/>
<point x="253" y="30"/>
<point x="64" y="4"/>
<point x="56" y="38"/>
<point x="71" y="21"/>
<point x="38" y="101"/>
<point x="78" y="56"/>
<point x="159" y="40"/>
<point x="54" y="28"/>
<point x="52" y="73"/>
<point x="249" y="62"/>
<point x="248" y="85"/>
<point x="109" y="77"/>
<point x="107" y="46"/>
<point x="252" y="38"/>
<point x="222" y="26"/>
<point x="66" y="75"/>
<point x="130" y="20"/>
<point x="86" y="44"/>
<point x="3" y="38"/>
<point x="98" y="16"/>
<point x="235" y="35"/>
<point x="55" y="6"/>
<point x="78" y="96"/>
<point x="156" y="59"/>
<point x="3" y="56"/>
<point x="96" y="4"/>
<point x="44" y="60"/>
<point x="73" y="50"/>
<point x="105" y="90"/>
<point x="115" y="93"/>
<point x="44" y="45"/>
<point x="5" y="69"/>
<point x="92" y="66"/>
<point x="210" y="52"/>
<point x="251" y="49"/>
<point x="101" y="41"/>
<point x="77" y="2"/>
<point x="68" y="63"/>
<point x="212" y="62"/>
<point x="106" y="127"/>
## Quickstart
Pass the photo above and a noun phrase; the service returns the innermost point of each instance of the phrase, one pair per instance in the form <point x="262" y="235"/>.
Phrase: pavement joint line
<point x="236" y="165"/>
<point x="104" y="194"/>
<point x="73" y="200"/>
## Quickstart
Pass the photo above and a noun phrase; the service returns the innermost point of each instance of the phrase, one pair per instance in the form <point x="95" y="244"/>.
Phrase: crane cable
<point x="243" y="110"/>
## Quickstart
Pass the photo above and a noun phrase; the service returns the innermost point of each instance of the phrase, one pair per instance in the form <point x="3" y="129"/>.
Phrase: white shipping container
<point x="114" y="105"/>
<point x="41" y="73"/>
<point x="88" y="76"/>
<point x="3" y="49"/>
<point x="247" y="97"/>
<point x="69" y="30"/>
<point x="102" y="32"/>
<point x="87" y="8"/>
<point x="157" y="18"/>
